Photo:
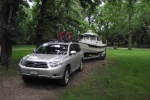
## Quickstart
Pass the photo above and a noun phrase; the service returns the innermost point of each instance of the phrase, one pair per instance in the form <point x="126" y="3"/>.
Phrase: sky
<point x="30" y="3"/>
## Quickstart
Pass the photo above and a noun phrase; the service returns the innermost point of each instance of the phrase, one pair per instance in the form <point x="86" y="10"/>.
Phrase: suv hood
<point x="44" y="57"/>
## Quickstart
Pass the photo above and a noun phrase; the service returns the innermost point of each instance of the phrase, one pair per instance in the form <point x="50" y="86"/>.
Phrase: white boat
<point x="91" y="43"/>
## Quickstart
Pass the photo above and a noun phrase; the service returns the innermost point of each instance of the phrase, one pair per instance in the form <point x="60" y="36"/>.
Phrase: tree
<point x="6" y="36"/>
<point x="40" y="24"/>
<point x="9" y="17"/>
<point x="0" y="20"/>
<point x="52" y="13"/>
<point x="123" y="17"/>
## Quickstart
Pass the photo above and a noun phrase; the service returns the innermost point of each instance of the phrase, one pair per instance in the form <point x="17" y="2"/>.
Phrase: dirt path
<point x="15" y="89"/>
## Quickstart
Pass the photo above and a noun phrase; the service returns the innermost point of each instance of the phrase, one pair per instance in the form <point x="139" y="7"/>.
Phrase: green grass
<point x="17" y="53"/>
<point x="20" y="51"/>
<point x="125" y="76"/>
<point x="23" y="47"/>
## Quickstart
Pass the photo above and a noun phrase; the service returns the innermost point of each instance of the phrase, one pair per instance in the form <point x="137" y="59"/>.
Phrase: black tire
<point x="103" y="57"/>
<point x="65" y="80"/>
<point x="26" y="79"/>
<point x="81" y="66"/>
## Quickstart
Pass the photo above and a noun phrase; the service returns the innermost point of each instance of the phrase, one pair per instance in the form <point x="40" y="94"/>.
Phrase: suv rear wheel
<point x="65" y="80"/>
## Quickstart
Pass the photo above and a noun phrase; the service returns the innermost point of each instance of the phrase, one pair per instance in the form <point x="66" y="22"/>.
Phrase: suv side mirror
<point x="34" y="50"/>
<point x="73" y="52"/>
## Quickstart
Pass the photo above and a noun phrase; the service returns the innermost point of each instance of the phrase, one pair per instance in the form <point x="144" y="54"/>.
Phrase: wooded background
<point x="124" y="23"/>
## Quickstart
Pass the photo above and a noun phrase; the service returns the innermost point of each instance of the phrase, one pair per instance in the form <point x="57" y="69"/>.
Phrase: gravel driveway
<point x="14" y="88"/>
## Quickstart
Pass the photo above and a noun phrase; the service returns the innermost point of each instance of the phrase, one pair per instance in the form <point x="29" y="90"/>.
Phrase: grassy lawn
<point x="126" y="75"/>
<point x="18" y="53"/>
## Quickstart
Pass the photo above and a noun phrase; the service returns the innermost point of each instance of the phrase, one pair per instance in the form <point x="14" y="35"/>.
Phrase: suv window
<point x="75" y="47"/>
<point x="53" y="49"/>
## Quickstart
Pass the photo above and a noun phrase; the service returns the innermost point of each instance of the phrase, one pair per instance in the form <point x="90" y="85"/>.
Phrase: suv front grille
<point x="36" y="64"/>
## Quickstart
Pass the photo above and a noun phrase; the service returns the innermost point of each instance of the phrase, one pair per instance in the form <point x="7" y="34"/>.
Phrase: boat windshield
<point x="53" y="49"/>
<point x="93" y="37"/>
<point x="98" y="38"/>
<point x="80" y="37"/>
<point x="87" y="37"/>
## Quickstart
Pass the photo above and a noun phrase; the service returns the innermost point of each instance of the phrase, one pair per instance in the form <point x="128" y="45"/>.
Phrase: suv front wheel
<point x="26" y="79"/>
<point x="65" y="80"/>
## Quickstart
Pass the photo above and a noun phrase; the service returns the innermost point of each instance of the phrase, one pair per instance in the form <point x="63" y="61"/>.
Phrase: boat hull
<point x="88" y="48"/>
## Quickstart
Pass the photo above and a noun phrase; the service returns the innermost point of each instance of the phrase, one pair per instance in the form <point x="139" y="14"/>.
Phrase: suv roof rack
<point x="65" y="41"/>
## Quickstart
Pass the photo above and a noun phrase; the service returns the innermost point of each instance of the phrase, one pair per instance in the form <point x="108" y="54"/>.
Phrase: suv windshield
<point x="59" y="49"/>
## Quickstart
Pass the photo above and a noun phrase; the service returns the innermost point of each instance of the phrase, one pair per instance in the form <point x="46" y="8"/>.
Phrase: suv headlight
<point x="56" y="64"/>
<point x="22" y="62"/>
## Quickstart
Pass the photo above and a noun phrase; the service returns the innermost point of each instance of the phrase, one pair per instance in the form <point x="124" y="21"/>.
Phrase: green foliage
<point x="20" y="27"/>
<point x="66" y="13"/>
<point x="82" y="15"/>
<point x="116" y="13"/>
<point x="17" y="19"/>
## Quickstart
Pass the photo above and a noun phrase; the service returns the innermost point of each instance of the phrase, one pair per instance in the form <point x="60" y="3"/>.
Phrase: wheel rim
<point x="67" y="76"/>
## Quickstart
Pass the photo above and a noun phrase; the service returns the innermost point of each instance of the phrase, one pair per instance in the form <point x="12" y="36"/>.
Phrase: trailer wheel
<point x="103" y="56"/>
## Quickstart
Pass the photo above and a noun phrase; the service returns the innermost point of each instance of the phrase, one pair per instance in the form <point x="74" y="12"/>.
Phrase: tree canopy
<point x="124" y="22"/>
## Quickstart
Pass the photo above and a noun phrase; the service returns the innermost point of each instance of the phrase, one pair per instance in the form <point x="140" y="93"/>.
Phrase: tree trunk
<point x="89" y="19"/>
<point x="40" y="26"/>
<point x="130" y="22"/>
<point x="6" y="48"/>
<point x="107" y="34"/>
<point x="130" y="42"/>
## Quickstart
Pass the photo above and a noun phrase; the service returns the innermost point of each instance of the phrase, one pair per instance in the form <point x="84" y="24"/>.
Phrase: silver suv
<point x="52" y="60"/>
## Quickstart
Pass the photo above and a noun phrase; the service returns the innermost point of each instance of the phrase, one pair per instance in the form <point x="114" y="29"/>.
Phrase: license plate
<point x="33" y="73"/>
